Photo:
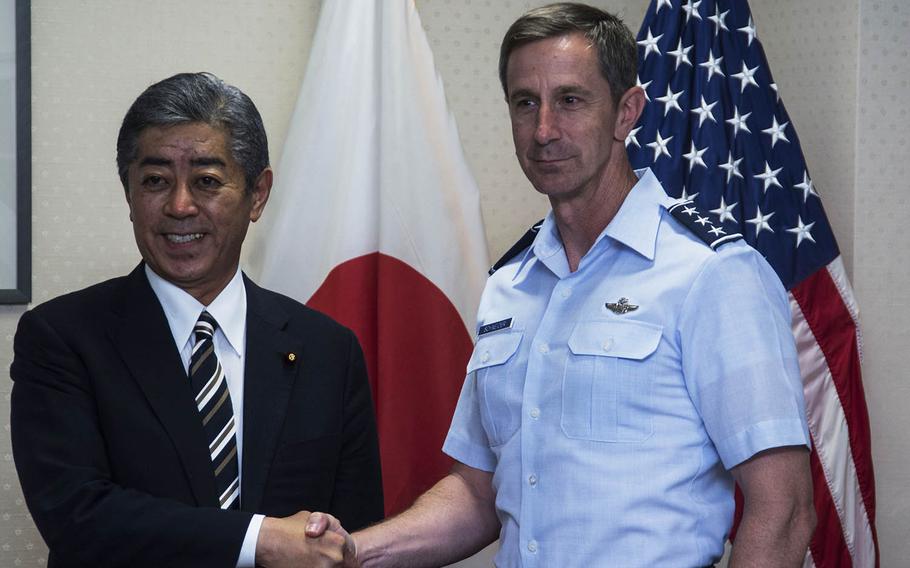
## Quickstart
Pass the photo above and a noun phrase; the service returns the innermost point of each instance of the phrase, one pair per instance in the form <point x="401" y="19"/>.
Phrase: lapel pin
<point x="291" y="357"/>
<point x="621" y="307"/>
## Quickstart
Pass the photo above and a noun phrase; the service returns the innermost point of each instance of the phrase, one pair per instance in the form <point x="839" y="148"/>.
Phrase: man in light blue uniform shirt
<point x="629" y="366"/>
<point x="610" y="432"/>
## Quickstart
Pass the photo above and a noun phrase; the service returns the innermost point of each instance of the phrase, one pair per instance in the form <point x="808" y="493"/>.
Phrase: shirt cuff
<point x="247" y="558"/>
<point x="468" y="453"/>
<point x="762" y="436"/>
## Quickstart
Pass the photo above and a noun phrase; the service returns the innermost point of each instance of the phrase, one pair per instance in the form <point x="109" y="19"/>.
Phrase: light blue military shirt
<point x="609" y="432"/>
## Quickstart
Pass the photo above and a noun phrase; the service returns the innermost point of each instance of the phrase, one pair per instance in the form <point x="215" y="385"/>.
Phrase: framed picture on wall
<point x="15" y="153"/>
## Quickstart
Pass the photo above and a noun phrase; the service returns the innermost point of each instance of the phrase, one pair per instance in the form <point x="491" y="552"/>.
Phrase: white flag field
<point x="375" y="220"/>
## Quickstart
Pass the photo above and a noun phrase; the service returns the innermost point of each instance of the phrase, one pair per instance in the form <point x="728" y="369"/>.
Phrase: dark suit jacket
<point x="111" y="453"/>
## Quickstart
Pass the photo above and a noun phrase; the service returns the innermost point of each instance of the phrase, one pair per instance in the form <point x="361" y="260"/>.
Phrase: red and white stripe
<point x="830" y="351"/>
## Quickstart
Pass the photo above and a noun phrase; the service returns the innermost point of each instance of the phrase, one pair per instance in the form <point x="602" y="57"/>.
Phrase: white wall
<point x="881" y="274"/>
<point x="842" y="67"/>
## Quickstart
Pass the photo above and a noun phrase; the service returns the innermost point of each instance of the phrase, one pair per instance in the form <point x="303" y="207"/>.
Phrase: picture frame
<point x="15" y="152"/>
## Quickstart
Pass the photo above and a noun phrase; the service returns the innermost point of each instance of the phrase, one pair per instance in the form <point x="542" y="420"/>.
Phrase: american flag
<point x="715" y="130"/>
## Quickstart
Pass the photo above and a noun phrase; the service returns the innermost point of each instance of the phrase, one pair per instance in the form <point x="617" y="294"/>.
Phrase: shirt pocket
<point x="606" y="389"/>
<point x="499" y="386"/>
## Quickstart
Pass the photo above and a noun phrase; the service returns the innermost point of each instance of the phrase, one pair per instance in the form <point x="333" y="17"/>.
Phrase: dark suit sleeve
<point x="357" y="498"/>
<point x="63" y="467"/>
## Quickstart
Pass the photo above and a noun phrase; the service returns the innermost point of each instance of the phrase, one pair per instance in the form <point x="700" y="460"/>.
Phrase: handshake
<point x="305" y="539"/>
<point x="451" y="521"/>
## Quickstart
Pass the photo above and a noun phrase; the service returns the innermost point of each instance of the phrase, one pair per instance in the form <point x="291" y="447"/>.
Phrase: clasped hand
<point x="305" y="539"/>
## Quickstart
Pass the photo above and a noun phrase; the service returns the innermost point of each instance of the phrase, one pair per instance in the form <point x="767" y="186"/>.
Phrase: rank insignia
<point x="621" y="307"/>
<point x="711" y="232"/>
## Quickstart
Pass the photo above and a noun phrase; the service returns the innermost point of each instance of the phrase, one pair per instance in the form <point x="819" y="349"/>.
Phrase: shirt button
<point x="608" y="344"/>
<point x="532" y="546"/>
<point x="566" y="292"/>
<point x="485" y="357"/>
<point x="535" y="413"/>
<point x="543" y="348"/>
<point x="532" y="480"/>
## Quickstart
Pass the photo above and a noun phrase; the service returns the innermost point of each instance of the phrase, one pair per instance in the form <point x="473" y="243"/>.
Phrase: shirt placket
<point x="545" y="359"/>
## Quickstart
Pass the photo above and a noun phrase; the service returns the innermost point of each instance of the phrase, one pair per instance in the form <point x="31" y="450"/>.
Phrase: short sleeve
<point x="467" y="441"/>
<point x="739" y="358"/>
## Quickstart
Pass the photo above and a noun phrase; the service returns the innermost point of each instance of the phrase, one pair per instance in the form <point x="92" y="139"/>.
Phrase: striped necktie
<point x="214" y="403"/>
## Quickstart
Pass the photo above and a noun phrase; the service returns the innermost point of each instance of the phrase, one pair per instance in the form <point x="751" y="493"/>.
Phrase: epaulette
<point x="713" y="234"/>
<point x="523" y="243"/>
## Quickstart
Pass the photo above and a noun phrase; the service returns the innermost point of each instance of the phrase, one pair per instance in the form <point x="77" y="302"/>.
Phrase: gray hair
<point x="197" y="97"/>
<point x="616" y="48"/>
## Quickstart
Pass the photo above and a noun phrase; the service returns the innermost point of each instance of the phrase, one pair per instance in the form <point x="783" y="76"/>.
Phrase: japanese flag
<point x="375" y="220"/>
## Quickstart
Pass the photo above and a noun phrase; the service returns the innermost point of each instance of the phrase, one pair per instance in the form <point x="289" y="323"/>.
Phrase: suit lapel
<point x="144" y="338"/>
<point x="267" y="383"/>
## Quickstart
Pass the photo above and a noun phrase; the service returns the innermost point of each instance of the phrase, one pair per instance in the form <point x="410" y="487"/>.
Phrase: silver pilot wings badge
<point x="621" y="307"/>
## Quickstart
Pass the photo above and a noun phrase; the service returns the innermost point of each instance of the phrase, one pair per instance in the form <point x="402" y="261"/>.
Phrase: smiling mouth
<point x="183" y="238"/>
<point x="546" y="161"/>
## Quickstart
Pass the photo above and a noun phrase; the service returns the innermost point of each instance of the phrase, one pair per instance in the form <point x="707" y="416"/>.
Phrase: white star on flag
<point x="761" y="221"/>
<point x="695" y="157"/>
<point x="746" y="77"/>
<point x="749" y="30"/>
<point x="644" y="87"/>
<point x="691" y="10"/>
<point x="686" y="196"/>
<point x="776" y="92"/>
<point x="660" y="146"/>
<point x="671" y="100"/>
<point x="769" y="176"/>
<point x="704" y="111"/>
<point x="650" y="44"/>
<point x="776" y="131"/>
<point x="807" y="186"/>
<point x="725" y="212"/>
<point x="662" y="3"/>
<point x="718" y="19"/>
<point x="712" y="65"/>
<point x="731" y="167"/>
<point x="739" y="122"/>
<point x="802" y="231"/>
<point x="681" y="54"/>
<point x="632" y="138"/>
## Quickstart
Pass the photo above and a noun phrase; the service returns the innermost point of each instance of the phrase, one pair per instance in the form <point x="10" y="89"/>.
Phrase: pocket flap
<point x="493" y="350"/>
<point x="628" y="339"/>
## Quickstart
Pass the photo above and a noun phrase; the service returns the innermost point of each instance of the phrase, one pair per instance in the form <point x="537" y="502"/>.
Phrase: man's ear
<point x="260" y="194"/>
<point x="628" y="110"/>
<point x="129" y="203"/>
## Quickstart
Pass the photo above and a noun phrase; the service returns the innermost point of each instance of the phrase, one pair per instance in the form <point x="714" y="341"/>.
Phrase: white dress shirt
<point x="229" y="310"/>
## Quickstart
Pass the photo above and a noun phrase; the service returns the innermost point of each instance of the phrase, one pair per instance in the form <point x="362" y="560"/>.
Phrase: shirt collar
<point x="635" y="224"/>
<point x="182" y="310"/>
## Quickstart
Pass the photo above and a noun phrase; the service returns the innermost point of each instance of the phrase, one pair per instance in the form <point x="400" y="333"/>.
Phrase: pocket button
<point x="607" y="344"/>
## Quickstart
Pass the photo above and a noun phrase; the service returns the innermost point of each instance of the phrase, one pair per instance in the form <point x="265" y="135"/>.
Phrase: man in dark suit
<point x="154" y="414"/>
